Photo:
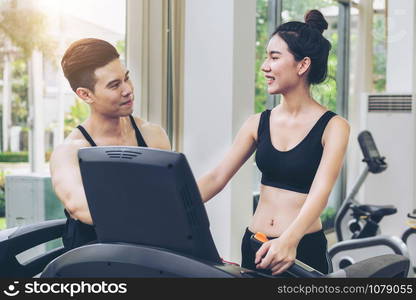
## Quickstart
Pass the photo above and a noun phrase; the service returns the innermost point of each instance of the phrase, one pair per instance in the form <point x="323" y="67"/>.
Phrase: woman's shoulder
<point x="252" y="122"/>
<point x="251" y="125"/>
<point x="338" y="122"/>
<point x="337" y="126"/>
<point x="254" y="118"/>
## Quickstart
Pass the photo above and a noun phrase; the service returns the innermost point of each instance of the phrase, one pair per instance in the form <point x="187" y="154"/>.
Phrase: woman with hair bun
<point x="300" y="147"/>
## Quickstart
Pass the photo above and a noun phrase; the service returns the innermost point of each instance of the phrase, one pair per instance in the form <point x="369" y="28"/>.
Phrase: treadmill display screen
<point x="146" y="196"/>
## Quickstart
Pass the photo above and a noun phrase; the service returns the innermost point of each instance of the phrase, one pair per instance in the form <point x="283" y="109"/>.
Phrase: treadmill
<point x="150" y="222"/>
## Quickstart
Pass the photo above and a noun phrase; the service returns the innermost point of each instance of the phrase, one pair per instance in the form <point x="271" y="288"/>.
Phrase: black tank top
<point x="75" y="232"/>
<point x="139" y="137"/>
<point x="294" y="169"/>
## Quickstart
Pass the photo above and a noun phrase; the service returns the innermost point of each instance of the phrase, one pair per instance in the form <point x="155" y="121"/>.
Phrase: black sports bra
<point x="294" y="169"/>
<point x="139" y="137"/>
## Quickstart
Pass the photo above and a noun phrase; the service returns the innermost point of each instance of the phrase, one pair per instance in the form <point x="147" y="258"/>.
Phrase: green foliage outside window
<point x="380" y="53"/>
<point x="324" y="93"/>
<point x="262" y="37"/>
<point x="20" y="82"/>
<point x="2" y="196"/>
<point x="78" y="113"/>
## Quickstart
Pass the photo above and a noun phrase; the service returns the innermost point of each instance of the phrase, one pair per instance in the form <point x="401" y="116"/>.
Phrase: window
<point x="47" y="27"/>
<point x="326" y="92"/>
<point x="262" y="36"/>
<point x="379" y="46"/>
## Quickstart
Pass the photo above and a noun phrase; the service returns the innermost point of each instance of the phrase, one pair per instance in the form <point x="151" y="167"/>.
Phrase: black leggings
<point x="312" y="250"/>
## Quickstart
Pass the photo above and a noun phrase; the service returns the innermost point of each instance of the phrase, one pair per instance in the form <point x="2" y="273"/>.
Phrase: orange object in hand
<point x="261" y="237"/>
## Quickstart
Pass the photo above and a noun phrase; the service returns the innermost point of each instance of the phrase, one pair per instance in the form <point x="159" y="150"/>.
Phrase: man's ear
<point x="304" y="65"/>
<point x="85" y="94"/>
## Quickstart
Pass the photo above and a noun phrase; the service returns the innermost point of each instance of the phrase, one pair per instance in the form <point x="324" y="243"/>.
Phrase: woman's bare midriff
<point x="277" y="209"/>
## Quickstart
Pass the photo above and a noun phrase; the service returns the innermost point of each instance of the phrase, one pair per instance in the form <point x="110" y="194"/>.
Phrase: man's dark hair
<point x="83" y="57"/>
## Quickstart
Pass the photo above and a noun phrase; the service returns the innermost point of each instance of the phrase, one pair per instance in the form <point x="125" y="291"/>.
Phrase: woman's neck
<point x="297" y="101"/>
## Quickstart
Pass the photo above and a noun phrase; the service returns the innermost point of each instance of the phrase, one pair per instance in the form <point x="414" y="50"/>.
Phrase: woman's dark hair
<point x="306" y="40"/>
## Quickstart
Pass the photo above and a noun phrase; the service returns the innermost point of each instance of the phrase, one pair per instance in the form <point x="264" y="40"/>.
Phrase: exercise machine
<point x="150" y="222"/>
<point x="409" y="237"/>
<point x="357" y="225"/>
<point x="354" y="220"/>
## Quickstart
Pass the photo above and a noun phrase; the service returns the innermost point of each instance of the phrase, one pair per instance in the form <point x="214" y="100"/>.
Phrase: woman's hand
<point x="281" y="254"/>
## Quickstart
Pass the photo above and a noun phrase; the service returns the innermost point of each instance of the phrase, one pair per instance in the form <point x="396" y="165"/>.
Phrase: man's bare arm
<point x="67" y="182"/>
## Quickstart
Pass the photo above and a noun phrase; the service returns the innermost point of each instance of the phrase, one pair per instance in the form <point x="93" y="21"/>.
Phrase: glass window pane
<point x="325" y="93"/>
<point x="379" y="46"/>
<point x="262" y="37"/>
<point x="51" y="26"/>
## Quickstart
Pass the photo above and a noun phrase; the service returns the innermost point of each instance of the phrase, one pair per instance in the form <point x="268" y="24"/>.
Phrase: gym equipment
<point x="129" y="260"/>
<point x="356" y="225"/>
<point x="16" y="240"/>
<point x="409" y="238"/>
<point x="363" y="219"/>
<point x="159" y="226"/>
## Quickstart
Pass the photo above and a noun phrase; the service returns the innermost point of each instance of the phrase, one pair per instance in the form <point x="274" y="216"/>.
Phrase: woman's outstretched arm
<point x="242" y="148"/>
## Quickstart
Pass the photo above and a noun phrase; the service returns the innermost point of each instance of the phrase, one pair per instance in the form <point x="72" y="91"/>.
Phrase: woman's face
<point x="280" y="67"/>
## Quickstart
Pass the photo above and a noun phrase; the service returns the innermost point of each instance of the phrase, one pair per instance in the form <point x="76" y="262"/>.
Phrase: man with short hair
<point x="96" y="75"/>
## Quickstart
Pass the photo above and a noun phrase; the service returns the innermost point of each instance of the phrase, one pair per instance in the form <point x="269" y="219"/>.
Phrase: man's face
<point x="113" y="95"/>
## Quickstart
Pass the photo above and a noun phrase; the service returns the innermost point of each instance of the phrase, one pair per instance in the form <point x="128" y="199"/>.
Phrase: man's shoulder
<point x="154" y="134"/>
<point x="145" y="125"/>
<point x="75" y="140"/>
<point x="72" y="143"/>
<point x="149" y="129"/>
